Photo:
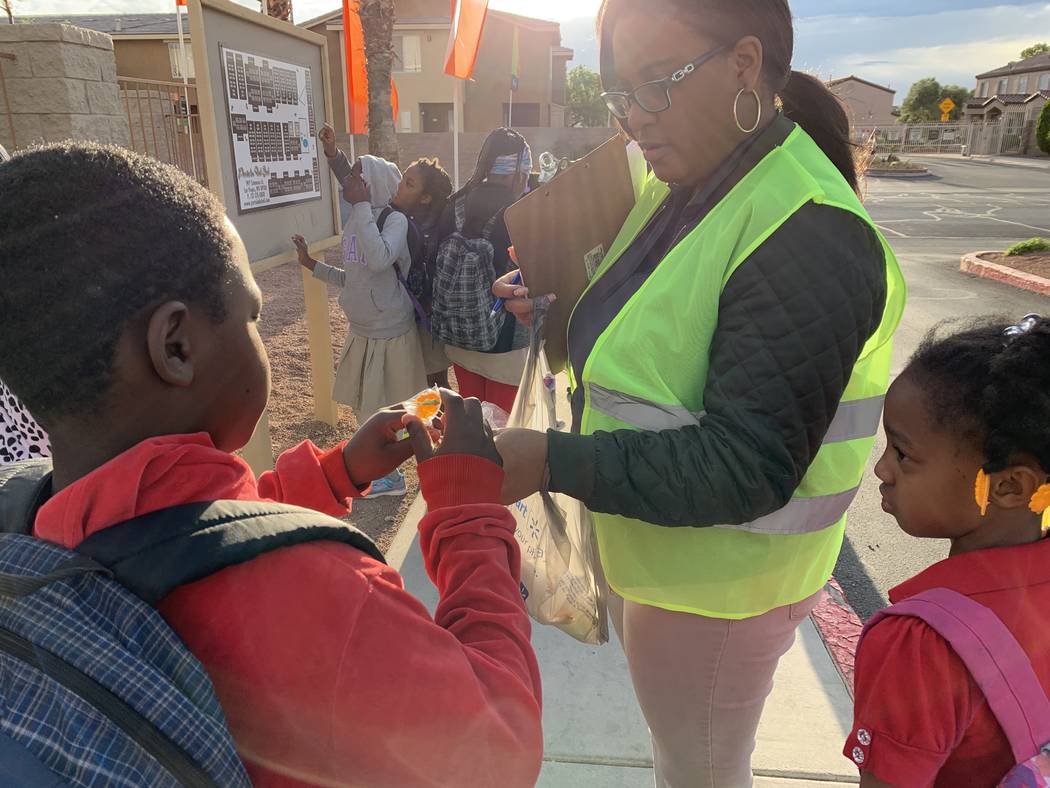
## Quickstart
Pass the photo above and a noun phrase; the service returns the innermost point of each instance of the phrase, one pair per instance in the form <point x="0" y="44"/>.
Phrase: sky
<point x="892" y="42"/>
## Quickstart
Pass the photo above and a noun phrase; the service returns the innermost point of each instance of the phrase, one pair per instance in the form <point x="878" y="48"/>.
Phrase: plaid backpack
<point x="461" y="314"/>
<point x="96" y="688"/>
<point x="1001" y="669"/>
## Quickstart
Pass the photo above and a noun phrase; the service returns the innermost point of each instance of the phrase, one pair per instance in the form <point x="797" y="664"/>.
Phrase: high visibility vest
<point x="648" y="369"/>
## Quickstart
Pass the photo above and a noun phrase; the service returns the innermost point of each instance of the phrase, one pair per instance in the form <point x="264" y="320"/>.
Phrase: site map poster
<point x="273" y="128"/>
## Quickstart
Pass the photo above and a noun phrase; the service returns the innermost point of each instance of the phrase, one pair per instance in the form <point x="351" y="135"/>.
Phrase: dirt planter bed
<point x="283" y="330"/>
<point x="1027" y="272"/>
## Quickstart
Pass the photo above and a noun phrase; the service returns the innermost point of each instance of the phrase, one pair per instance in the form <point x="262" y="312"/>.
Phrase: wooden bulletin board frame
<point x="205" y="43"/>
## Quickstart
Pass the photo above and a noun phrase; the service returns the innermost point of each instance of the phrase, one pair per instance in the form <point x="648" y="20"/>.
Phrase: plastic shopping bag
<point x="561" y="577"/>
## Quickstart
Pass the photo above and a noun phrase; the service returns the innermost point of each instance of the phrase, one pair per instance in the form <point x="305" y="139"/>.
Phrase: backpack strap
<point x="24" y="486"/>
<point x="156" y="553"/>
<point x="992" y="656"/>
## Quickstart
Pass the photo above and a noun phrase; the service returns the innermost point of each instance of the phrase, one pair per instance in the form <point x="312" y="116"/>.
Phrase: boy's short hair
<point x="91" y="238"/>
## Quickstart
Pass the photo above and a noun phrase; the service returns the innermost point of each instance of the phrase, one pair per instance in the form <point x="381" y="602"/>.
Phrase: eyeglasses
<point x="653" y="96"/>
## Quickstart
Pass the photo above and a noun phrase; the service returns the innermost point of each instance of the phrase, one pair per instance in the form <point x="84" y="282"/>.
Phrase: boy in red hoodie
<point x="130" y="330"/>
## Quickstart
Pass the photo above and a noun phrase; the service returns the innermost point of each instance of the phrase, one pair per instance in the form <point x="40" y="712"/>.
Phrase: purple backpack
<point x="1001" y="669"/>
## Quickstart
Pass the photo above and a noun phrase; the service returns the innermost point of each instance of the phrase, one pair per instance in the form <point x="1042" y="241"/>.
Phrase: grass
<point x="1031" y="246"/>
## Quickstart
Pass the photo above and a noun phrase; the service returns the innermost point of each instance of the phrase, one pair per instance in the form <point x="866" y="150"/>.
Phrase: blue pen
<point x="499" y="301"/>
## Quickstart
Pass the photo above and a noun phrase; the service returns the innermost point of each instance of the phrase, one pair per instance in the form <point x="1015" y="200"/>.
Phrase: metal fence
<point x="1010" y="134"/>
<point x="164" y="123"/>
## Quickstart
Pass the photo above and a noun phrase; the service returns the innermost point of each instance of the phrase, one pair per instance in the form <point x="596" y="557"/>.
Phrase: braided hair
<point x="990" y="383"/>
<point x="500" y="142"/>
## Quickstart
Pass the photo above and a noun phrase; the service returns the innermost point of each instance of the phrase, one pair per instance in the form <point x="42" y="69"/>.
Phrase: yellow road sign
<point x="945" y="117"/>
<point x="947" y="105"/>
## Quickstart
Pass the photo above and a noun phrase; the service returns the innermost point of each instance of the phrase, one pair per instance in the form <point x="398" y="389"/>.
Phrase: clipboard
<point x="562" y="230"/>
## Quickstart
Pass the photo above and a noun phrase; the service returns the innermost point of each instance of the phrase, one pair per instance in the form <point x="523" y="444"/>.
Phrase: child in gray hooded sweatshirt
<point x="382" y="360"/>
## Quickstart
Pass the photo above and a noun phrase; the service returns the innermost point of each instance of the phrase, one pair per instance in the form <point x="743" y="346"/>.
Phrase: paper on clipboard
<point x="562" y="230"/>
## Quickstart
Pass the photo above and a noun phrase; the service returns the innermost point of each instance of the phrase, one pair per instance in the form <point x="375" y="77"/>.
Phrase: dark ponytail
<point x="805" y="98"/>
<point x="809" y="103"/>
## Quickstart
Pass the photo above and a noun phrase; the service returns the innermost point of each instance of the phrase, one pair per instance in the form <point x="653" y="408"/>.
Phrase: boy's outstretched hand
<point x="465" y="431"/>
<point x="327" y="137"/>
<point x="375" y="450"/>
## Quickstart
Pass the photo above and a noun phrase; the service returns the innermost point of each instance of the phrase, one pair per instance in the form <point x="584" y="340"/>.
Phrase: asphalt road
<point x="967" y="206"/>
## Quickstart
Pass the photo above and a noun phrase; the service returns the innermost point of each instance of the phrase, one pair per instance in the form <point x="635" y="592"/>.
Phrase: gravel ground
<point x="283" y="329"/>
<point x="1038" y="264"/>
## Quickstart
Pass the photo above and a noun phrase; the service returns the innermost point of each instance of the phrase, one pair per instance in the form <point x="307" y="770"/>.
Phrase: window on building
<point x="1044" y="82"/>
<point x="177" y="61"/>
<point x="1022" y="83"/>
<point x="1001" y="89"/>
<point x="524" y="115"/>
<point x="982" y="91"/>
<point x="408" y="55"/>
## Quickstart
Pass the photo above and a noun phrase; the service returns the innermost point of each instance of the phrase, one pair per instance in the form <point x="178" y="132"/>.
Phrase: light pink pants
<point x="702" y="683"/>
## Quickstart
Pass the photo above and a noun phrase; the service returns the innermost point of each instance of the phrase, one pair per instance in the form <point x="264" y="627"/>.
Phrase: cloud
<point x="951" y="46"/>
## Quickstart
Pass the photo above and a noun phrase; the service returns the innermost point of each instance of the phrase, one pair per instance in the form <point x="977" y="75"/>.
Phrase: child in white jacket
<point x="382" y="360"/>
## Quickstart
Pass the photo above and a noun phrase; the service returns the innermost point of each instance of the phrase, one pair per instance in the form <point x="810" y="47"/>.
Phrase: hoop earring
<point x="736" y="112"/>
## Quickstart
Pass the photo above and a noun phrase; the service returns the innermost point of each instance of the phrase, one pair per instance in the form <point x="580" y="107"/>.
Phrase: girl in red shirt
<point x="968" y="460"/>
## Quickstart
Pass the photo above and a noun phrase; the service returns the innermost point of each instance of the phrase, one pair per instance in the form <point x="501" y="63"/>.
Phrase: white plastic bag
<point x="561" y="576"/>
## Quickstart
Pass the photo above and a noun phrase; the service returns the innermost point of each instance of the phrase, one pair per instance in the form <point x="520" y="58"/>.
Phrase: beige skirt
<point x="504" y="368"/>
<point x="375" y="373"/>
<point x="434" y="357"/>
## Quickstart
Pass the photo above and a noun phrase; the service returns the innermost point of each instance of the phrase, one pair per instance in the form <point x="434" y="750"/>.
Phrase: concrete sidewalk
<point x="595" y="734"/>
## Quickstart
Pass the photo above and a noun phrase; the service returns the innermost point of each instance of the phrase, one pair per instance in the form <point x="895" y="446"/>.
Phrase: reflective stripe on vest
<point x="853" y="420"/>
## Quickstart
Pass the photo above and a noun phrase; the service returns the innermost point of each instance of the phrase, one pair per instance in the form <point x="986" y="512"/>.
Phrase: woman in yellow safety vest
<point x="728" y="363"/>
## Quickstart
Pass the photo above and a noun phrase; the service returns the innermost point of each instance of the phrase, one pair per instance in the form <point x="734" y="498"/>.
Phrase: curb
<point x="973" y="264"/>
<point x="406" y="533"/>
<point x="899" y="174"/>
<point x="1009" y="163"/>
<point x="839" y="627"/>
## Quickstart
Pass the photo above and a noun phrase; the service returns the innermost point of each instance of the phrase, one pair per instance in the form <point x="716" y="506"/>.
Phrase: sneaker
<point x="391" y="486"/>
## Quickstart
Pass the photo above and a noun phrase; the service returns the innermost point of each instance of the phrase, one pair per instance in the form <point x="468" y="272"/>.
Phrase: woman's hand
<point x="516" y="297"/>
<point x="305" y="260"/>
<point x="524" y="454"/>
<point x="327" y="137"/>
<point x="375" y="451"/>
<point x="355" y="190"/>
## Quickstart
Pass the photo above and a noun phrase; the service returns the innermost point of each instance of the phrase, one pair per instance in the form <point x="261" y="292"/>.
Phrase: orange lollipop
<point x="425" y="405"/>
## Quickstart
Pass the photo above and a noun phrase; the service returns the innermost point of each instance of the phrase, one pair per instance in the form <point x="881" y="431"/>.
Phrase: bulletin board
<point x="263" y="93"/>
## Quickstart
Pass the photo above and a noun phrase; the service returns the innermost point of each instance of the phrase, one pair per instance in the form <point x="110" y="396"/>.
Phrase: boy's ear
<point x="168" y="340"/>
<point x="427" y="199"/>
<point x="1014" y="487"/>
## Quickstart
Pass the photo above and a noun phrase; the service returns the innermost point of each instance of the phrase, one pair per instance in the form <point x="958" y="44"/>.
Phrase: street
<point x="968" y="206"/>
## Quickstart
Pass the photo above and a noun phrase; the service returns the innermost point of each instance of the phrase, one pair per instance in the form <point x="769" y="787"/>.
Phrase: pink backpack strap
<point x="994" y="658"/>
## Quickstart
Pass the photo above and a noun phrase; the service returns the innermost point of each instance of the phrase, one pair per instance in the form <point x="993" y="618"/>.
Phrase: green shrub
<point x="1042" y="130"/>
<point x="1030" y="246"/>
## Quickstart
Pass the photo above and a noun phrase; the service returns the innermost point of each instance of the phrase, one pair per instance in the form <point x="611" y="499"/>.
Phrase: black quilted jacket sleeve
<point x="792" y="322"/>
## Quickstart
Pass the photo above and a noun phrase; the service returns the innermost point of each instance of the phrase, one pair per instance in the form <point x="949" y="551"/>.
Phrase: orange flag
<point x="356" y="71"/>
<point x="468" y="21"/>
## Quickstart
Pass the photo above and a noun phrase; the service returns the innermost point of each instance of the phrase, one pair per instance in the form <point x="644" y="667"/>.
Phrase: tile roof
<point x="1039" y="62"/>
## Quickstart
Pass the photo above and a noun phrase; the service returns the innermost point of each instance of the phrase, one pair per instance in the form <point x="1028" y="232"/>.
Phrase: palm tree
<point x="278" y="9"/>
<point x="377" y="21"/>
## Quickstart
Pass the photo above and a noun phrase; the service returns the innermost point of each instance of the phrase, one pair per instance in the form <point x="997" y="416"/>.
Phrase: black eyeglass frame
<point x="612" y="97"/>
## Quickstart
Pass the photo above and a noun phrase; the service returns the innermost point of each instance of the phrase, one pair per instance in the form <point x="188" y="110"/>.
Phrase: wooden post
<point x="259" y="452"/>
<point x="319" y="333"/>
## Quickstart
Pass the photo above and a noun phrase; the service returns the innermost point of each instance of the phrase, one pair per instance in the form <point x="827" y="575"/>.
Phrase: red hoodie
<point x="329" y="672"/>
